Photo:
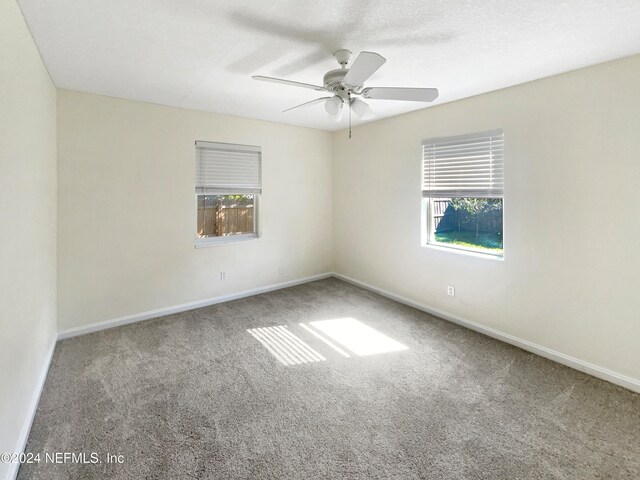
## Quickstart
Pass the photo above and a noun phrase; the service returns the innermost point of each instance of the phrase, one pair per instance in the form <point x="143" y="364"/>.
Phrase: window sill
<point x="219" y="241"/>
<point x="464" y="251"/>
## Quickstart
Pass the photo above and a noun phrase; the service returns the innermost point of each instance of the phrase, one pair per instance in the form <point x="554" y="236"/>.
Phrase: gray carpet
<point x="196" y="395"/>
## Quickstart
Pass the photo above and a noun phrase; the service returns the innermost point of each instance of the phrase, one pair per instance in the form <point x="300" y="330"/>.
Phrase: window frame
<point x="227" y="239"/>
<point x="426" y="211"/>
<point x="210" y="241"/>
<point x="428" y="233"/>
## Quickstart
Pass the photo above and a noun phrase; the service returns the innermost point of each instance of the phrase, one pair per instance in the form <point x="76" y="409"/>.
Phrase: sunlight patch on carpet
<point x="325" y="340"/>
<point x="361" y="339"/>
<point x="286" y="347"/>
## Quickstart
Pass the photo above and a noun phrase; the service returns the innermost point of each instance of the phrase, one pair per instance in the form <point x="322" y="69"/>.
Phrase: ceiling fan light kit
<point x="347" y="84"/>
<point x="333" y="105"/>
<point x="362" y="109"/>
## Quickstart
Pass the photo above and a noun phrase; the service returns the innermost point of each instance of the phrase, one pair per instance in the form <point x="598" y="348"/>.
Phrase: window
<point x="228" y="186"/>
<point x="462" y="190"/>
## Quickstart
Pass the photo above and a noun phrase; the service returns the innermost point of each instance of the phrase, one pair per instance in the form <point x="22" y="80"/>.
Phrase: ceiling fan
<point x="347" y="87"/>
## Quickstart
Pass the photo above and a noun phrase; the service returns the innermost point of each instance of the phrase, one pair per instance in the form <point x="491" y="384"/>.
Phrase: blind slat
<point x="465" y="166"/>
<point x="446" y="149"/>
<point x="468" y="165"/>
<point x="463" y="156"/>
<point x="223" y="168"/>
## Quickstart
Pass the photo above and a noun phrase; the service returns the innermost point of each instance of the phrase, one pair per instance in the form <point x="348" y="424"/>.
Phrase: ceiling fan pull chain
<point x="349" y="106"/>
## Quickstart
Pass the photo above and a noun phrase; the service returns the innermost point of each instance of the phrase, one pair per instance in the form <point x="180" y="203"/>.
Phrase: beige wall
<point x="28" y="220"/>
<point x="127" y="216"/>
<point x="571" y="272"/>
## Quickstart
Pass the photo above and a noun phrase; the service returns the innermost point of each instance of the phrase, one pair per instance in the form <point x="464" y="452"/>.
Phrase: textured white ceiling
<point x="200" y="54"/>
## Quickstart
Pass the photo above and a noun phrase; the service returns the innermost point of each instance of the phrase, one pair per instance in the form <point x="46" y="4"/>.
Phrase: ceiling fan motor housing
<point x="333" y="79"/>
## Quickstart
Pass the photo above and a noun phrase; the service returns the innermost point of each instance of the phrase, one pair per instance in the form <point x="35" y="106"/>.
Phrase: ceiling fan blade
<point x="307" y="104"/>
<point x="363" y="67"/>
<point x="262" y="78"/>
<point x="401" y="93"/>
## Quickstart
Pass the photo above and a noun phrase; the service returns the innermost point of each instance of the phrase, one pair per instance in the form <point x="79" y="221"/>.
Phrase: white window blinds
<point x="464" y="166"/>
<point x="226" y="168"/>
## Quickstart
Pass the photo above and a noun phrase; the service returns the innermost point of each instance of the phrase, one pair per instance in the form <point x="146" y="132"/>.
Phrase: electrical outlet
<point x="281" y="271"/>
<point x="223" y="276"/>
<point x="451" y="291"/>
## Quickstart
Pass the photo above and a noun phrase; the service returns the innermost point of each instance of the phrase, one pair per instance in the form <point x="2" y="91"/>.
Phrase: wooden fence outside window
<point x="220" y="220"/>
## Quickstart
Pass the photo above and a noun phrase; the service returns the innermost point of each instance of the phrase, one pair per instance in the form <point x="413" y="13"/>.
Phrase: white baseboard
<point x="161" y="312"/>
<point x="586" y="367"/>
<point x="31" y="412"/>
